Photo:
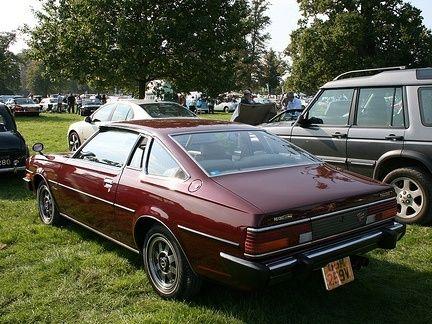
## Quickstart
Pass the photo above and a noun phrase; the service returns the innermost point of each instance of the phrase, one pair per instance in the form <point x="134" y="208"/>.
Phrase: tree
<point x="272" y="69"/>
<point x="338" y="36"/>
<point x="254" y="46"/>
<point x="131" y="42"/>
<point x="9" y="71"/>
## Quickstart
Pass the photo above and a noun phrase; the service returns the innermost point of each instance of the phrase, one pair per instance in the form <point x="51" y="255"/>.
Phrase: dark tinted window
<point x="425" y="99"/>
<point x="6" y="122"/>
<point x="165" y="110"/>
<point x="380" y="107"/>
<point x="103" y="113"/>
<point x="24" y="101"/>
<point x="121" y="112"/>
<point x="220" y="153"/>
<point x="138" y="156"/>
<point x="89" y="102"/>
<point x="161" y="163"/>
<point x="332" y="107"/>
<point x="110" y="147"/>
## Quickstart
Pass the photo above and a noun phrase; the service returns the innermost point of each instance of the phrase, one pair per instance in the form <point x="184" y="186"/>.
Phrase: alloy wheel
<point x="410" y="197"/>
<point x="74" y="141"/>
<point x="163" y="263"/>
<point x="46" y="205"/>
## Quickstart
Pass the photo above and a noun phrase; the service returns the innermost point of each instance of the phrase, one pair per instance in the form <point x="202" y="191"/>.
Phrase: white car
<point x="227" y="106"/>
<point x="49" y="104"/>
<point x="122" y="110"/>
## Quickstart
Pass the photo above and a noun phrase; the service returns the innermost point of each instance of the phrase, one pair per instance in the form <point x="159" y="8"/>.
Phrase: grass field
<point x="70" y="275"/>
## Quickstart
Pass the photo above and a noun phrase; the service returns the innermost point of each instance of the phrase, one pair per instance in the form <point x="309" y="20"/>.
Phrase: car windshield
<point x="166" y="110"/>
<point x="24" y="101"/>
<point x="6" y="122"/>
<point x="91" y="102"/>
<point x="226" y="152"/>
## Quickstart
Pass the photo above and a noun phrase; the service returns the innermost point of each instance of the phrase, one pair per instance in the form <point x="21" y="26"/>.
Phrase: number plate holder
<point x="337" y="273"/>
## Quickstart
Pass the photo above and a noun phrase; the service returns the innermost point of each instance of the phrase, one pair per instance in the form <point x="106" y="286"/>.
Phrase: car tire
<point x="226" y="109"/>
<point x="414" y="192"/>
<point x="47" y="208"/>
<point x="167" y="268"/>
<point x="74" y="141"/>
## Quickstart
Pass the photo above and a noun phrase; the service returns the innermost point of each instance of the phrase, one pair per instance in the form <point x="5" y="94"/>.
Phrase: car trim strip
<point x="12" y="169"/>
<point x="100" y="233"/>
<point x="207" y="235"/>
<point x="269" y="228"/>
<point x="89" y="195"/>
<point x="316" y="241"/>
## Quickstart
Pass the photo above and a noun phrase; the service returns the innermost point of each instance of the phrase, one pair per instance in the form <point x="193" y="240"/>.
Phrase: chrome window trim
<point x="273" y="227"/>
<point x="92" y="196"/>
<point x="100" y="233"/>
<point x="317" y="241"/>
<point x="208" y="235"/>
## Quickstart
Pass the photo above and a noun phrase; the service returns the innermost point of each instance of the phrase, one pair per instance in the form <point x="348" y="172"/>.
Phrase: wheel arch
<point x="37" y="179"/>
<point x="143" y="225"/>
<point x="400" y="159"/>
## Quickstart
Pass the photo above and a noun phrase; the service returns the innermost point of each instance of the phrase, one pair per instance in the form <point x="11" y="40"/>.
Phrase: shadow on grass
<point x="12" y="187"/>
<point x="46" y="117"/>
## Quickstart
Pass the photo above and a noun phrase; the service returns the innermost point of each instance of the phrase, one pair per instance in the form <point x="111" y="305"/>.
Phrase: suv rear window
<point x="425" y="101"/>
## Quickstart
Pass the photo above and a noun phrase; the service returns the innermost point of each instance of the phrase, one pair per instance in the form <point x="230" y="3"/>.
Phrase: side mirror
<point x="38" y="148"/>
<point x="88" y="119"/>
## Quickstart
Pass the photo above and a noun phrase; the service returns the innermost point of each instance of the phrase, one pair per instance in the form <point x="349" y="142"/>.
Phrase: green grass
<point x="69" y="274"/>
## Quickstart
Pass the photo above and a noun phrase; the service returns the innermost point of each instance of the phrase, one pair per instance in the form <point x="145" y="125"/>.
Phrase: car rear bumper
<point x="253" y="274"/>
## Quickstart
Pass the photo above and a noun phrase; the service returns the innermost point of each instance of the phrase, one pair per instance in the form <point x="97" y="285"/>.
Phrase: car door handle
<point x="393" y="137"/>
<point x="338" y="135"/>
<point x="108" y="183"/>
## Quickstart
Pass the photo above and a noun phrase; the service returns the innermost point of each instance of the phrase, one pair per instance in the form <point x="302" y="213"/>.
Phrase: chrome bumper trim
<point x="207" y="235"/>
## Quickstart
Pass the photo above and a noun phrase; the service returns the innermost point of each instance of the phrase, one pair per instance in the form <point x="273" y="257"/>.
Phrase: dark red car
<point x="216" y="200"/>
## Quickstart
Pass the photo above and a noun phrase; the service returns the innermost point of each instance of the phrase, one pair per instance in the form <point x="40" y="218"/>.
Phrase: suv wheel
<point x="413" y="189"/>
<point x="167" y="268"/>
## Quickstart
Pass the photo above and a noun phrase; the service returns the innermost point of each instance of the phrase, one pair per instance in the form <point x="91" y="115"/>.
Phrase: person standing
<point x="247" y="98"/>
<point x="71" y="103"/>
<point x="104" y="99"/>
<point x="291" y="102"/>
<point x="59" y="103"/>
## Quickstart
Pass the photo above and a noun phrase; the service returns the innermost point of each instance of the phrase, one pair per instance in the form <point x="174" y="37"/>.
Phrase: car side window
<point x="137" y="159"/>
<point x="161" y="163"/>
<point x="380" y="107"/>
<point x="110" y="147"/>
<point x="425" y="101"/>
<point x="103" y="113"/>
<point x="332" y="107"/>
<point x="121" y="112"/>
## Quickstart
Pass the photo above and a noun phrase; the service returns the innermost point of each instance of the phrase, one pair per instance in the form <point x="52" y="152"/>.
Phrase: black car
<point x="89" y="106"/>
<point x="13" y="150"/>
<point x="379" y="126"/>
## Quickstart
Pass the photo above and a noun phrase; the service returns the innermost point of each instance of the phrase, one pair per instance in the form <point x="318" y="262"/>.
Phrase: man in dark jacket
<point x="71" y="103"/>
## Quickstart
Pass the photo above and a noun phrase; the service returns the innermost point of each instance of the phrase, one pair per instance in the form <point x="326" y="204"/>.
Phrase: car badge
<point x="283" y="217"/>
<point x="361" y="216"/>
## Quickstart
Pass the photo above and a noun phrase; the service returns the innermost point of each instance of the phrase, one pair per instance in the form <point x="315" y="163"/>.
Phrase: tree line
<point x="213" y="46"/>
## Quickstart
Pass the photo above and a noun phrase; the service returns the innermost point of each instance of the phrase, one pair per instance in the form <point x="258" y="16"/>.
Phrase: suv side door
<point x="378" y="127"/>
<point x="326" y="133"/>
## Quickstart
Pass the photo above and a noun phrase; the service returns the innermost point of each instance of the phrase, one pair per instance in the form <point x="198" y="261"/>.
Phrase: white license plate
<point x="338" y="273"/>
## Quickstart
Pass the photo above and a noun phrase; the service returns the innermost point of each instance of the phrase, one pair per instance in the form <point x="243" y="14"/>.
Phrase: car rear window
<point x="166" y="110"/>
<point x="24" y="101"/>
<point x="425" y="101"/>
<point x="227" y="152"/>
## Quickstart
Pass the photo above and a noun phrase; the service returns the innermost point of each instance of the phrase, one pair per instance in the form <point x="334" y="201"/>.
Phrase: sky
<point x="284" y="15"/>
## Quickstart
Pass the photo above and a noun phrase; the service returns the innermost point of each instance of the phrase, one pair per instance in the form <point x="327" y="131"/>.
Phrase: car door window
<point x="332" y="107"/>
<point x="103" y="113"/>
<point x="137" y="159"/>
<point x="109" y="147"/>
<point x="380" y="107"/>
<point x="121" y="112"/>
<point x="161" y="163"/>
<point x="425" y="100"/>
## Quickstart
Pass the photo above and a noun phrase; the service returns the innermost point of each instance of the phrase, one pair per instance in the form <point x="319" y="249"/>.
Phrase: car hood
<point x="304" y="190"/>
<point x="11" y="140"/>
<point x="29" y="105"/>
<point x="254" y="114"/>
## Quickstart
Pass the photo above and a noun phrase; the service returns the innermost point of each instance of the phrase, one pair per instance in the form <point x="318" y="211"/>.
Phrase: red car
<point x="216" y="200"/>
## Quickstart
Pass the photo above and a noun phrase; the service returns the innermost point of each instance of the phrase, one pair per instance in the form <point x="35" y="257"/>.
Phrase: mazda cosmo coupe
<point x="204" y="199"/>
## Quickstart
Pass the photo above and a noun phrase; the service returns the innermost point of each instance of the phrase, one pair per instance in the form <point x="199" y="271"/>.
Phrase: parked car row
<point x="234" y="203"/>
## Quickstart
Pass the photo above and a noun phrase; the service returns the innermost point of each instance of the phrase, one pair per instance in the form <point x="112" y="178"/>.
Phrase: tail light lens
<point x="278" y="239"/>
<point x="382" y="211"/>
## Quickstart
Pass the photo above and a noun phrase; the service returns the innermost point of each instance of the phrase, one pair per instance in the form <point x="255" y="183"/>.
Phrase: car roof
<point x="386" y="78"/>
<point x="147" y="101"/>
<point x="169" y="126"/>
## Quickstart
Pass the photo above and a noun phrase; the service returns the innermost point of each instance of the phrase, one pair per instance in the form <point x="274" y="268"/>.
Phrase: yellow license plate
<point x="338" y="273"/>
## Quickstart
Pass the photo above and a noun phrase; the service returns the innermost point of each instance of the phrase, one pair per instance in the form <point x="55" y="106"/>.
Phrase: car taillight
<point x="258" y="242"/>
<point x="382" y="211"/>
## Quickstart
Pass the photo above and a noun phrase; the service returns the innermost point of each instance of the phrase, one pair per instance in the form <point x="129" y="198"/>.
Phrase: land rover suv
<point x="379" y="126"/>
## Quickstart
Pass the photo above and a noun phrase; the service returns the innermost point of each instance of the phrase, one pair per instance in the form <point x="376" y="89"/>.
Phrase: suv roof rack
<point x="370" y="70"/>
